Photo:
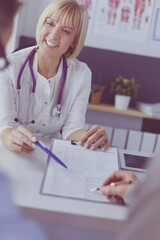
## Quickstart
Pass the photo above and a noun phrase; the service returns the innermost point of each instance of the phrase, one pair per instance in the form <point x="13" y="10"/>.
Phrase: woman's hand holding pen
<point x="95" y="137"/>
<point x="19" y="140"/>
<point x="117" y="191"/>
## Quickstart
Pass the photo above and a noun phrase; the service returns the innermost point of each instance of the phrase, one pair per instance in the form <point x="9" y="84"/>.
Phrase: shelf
<point x="110" y="108"/>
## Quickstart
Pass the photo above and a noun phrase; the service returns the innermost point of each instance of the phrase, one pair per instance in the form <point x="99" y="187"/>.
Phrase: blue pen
<point x="50" y="153"/>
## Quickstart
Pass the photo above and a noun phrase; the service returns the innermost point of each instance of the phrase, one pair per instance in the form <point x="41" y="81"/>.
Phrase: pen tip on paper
<point x="95" y="189"/>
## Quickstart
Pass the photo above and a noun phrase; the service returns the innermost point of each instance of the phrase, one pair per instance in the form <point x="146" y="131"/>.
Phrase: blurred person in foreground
<point x="12" y="224"/>
<point x="144" y="199"/>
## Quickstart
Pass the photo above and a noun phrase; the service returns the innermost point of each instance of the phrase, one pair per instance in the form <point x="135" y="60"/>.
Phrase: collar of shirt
<point x="47" y="90"/>
<point x="39" y="76"/>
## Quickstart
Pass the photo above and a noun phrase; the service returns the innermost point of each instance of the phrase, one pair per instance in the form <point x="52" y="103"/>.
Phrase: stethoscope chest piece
<point x="57" y="110"/>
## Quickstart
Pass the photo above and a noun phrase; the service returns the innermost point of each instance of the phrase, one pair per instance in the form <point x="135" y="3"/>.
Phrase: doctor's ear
<point x="73" y="45"/>
<point x="70" y="51"/>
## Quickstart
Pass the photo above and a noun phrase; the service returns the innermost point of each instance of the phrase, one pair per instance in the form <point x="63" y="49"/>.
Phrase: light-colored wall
<point x="12" y="41"/>
<point x="28" y="17"/>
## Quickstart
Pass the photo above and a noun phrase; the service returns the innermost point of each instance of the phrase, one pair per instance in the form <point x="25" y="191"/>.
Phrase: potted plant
<point x="97" y="89"/>
<point x="123" y="89"/>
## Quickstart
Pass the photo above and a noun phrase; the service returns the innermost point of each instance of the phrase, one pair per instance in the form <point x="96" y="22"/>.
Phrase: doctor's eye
<point x="50" y="22"/>
<point x="66" y="31"/>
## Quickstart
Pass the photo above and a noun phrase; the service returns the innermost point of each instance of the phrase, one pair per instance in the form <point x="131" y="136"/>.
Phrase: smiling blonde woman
<point x="60" y="84"/>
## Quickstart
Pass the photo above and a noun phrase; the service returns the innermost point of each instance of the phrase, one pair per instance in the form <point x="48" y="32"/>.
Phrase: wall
<point x="12" y="41"/>
<point x="145" y="70"/>
<point x="28" y="17"/>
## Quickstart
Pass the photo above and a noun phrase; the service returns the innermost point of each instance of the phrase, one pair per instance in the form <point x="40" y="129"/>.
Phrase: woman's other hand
<point x="95" y="137"/>
<point x="19" y="140"/>
<point x="117" y="193"/>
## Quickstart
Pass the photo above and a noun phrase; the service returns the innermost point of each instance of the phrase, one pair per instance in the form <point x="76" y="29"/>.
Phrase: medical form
<point x="86" y="169"/>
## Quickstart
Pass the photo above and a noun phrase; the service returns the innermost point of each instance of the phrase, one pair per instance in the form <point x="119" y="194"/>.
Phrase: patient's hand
<point x="118" y="193"/>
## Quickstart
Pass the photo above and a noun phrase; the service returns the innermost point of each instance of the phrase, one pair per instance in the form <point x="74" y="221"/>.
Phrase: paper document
<point x="86" y="169"/>
<point x="152" y="109"/>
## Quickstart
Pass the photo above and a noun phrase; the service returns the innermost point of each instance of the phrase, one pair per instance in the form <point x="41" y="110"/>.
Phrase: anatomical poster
<point x="91" y="6"/>
<point x="156" y="30"/>
<point x="124" y="19"/>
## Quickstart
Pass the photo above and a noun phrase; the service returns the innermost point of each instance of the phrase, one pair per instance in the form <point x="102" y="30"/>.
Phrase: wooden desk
<point x="112" y="109"/>
<point x="26" y="173"/>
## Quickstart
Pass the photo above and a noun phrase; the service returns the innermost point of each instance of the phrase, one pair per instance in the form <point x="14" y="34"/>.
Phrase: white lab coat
<point x="74" y="101"/>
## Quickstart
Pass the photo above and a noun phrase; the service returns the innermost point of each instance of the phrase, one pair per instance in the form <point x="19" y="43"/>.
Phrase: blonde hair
<point x="67" y="11"/>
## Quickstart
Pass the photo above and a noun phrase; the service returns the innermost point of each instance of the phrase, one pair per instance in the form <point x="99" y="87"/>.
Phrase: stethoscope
<point x="58" y="107"/>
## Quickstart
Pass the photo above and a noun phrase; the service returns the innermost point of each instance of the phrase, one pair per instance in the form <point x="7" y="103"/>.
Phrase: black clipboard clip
<point x="73" y="142"/>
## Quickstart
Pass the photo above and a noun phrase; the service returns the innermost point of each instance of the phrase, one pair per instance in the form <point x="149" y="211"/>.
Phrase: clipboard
<point x="86" y="169"/>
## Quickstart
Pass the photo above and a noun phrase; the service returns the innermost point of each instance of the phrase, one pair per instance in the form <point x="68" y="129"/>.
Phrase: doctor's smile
<point x="38" y="86"/>
<point x="51" y="44"/>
